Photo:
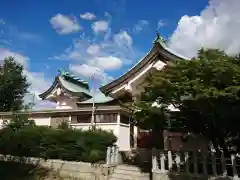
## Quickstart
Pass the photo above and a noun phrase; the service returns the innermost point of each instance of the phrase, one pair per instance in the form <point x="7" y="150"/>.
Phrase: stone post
<point x="108" y="156"/>
<point x="113" y="149"/>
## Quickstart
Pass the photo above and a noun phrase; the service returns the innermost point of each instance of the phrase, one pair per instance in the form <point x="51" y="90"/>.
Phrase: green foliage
<point x="63" y="125"/>
<point x="48" y="143"/>
<point x="13" y="85"/>
<point x="206" y="90"/>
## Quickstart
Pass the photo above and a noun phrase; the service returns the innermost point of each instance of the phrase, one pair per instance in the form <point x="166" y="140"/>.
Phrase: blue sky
<point x="107" y="36"/>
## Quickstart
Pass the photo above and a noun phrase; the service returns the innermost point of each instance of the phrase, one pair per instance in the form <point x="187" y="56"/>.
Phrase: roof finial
<point x="159" y="38"/>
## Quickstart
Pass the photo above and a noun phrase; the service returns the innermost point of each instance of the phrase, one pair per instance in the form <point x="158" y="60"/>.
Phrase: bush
<point x="48" y="143"/>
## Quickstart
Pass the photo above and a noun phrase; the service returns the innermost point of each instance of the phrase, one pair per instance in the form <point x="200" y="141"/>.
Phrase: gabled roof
<point x="71" y="85"/>
<point x="159" y="49"/>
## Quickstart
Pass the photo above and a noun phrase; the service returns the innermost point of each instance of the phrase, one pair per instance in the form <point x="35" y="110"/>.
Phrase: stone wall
<point x="84" y="171"/>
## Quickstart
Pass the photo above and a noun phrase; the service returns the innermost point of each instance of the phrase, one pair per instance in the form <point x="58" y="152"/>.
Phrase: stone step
<point x="128" y="168"/>
<point x="116" y="176"/>
<point x="127" y="172"/>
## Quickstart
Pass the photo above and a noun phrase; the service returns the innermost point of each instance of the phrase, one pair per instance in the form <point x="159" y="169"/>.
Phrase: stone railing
<point x="183" y="165"/>
<point x="112" y="156"/>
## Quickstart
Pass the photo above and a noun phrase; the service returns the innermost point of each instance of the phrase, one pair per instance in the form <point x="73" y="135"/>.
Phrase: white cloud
<point x="102" y="55"/>
<point x="217" y="27"/>
<point x="141" y="24"/>
<point x="93" y="49"/>
<point x="100" y="26"/>
<point x="18" y="57"/>
<point x="64" y="24"/>
<point x="86" y="70"/>
<point x="123" y="39"/>
<point x="161" y="23"/>
<point x="90" y="71"/>
<point x="108" y="62"/>
<point x="88" y="16"/>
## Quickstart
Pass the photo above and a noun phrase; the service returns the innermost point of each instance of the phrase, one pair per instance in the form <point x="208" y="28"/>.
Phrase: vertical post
<point x="195" y="163"/>
<point x="214" y="163"/>
<point x="170" y="161"/>
<point x="69" y="120"/>
<point x="108" y="156"/>
<point x="223" y="161"/>
<point x="186" y="162"/>
<point x="204" y="164"/>
<point x="233" y="160"/>
<point x="178" y="161"/>
<point x="113" y="149"/>
<point x="93" y="105"/>
<point x="93" y="112"/>
<point x="154" y="160"/>
<point x="162" y="161"/>
<point x="116" y="155"/>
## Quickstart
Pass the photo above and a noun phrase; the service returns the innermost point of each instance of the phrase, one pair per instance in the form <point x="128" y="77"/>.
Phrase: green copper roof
<point x="98" y="98"/>
<point x="159" y="39"/>
<point x="74" y="88"/>
<point x="73" y="79"/>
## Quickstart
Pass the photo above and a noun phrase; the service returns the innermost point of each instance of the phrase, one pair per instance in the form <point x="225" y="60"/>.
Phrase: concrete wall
<point x="42" y="121"/>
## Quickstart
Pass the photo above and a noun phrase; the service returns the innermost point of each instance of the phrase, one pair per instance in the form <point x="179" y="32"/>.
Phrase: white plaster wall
<point x="124" y="137"/>
<point x="42" y="121"/>
<point x="64" y="102"/>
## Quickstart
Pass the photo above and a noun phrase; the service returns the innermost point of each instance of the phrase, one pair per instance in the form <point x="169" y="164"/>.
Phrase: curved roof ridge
<point x="160" y="47"/>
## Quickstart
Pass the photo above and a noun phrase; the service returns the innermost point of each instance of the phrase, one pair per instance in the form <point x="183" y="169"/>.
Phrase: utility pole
<point x="93" y="125"/>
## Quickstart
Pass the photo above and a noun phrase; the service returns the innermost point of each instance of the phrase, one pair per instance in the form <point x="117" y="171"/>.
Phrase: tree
<point x="13" y="85"/>
<point x="206" y="92"/>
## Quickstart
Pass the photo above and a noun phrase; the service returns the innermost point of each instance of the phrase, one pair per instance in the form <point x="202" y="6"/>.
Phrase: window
<point x="124" y="119"/>
<point x="84" y="118"/>
<point x="99" y="118"/>
<point x="106" y="118"/>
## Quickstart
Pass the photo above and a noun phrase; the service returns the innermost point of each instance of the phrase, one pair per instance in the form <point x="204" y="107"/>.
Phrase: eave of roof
<point x="157" y="49"/>
<point x="101" y="108"/>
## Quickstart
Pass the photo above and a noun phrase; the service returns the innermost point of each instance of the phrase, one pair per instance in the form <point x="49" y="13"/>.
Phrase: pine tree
<point x="13" y="85"/>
